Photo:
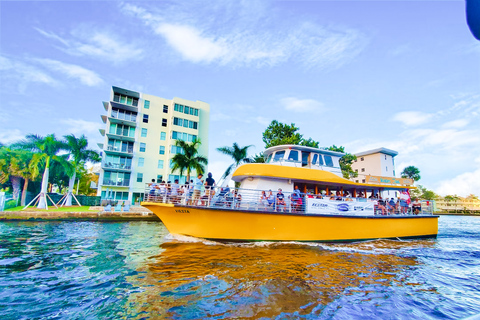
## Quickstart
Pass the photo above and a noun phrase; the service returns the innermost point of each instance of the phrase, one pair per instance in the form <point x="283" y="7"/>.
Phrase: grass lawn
<point x="53" y="209"/>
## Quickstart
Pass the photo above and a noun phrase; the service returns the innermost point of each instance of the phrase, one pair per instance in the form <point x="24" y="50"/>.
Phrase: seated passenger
<point x="381" y="205"/>
<point x="280" y="200"/>
<point x="416" y="206"/>
<point x="296" y="200"/>
<point x="264" y="200"/>
<point x="391" y="206"/>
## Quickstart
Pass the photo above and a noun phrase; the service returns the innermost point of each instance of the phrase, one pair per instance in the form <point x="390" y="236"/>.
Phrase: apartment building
<point x="140" y="134"/>
<point x="376" y="162"/>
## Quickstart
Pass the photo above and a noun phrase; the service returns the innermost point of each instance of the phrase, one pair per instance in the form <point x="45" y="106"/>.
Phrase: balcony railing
<point x="118" y="149"/>
<point x="124" y="116"/>
<point x="119" y="183"/>
<point x="118" y="166"/>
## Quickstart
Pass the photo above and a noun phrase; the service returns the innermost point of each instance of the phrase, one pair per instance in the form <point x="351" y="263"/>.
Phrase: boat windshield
<point x="278" y="156"/>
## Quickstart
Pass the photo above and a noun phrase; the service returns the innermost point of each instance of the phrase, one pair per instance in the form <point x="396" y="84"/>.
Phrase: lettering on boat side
<point x="320" y="205"/>
<point x="182" y="211"/>
<point x="358" y="208"/>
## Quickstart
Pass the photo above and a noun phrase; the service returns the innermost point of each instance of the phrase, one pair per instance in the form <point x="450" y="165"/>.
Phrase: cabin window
<point x="320" y="160"/>
<point x="293" y="156"/>
<point x="328" y="161"/>
<point x="315" y="159"/>
<point x="269" y="158"/>
<point x="305" y="158"/>
<point x="279" y="155"/>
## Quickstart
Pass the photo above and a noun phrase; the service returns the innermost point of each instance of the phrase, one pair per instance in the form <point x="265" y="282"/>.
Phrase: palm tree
<point x="189" y="159"/>
<point x="411" y="172"/>
<point x="258" y="158"/>
<point x="47" y="149"/>
<point x="16" y="165"/>
<point x="239" y="155"/>
<point x="79" y="155"/>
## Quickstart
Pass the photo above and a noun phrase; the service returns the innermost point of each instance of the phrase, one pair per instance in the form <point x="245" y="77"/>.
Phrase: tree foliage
<point x="411" y="172"/>
<point x="238" y="154"/>
<point x="278" y="133"/>
<point x="345" y="162"/>
<point x="423" y="193"/>
<point x="258" y="158"/>
<point x="189" y="159"/>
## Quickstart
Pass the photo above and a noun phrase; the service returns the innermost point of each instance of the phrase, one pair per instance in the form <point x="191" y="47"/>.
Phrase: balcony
<point x="123" y="118"/>
<point x="124" y="106"/>
<point x="119" y="183"/>
<point x="121" y="151"/>
<point x="116" y="167"/>
<point x="120" y="137"/>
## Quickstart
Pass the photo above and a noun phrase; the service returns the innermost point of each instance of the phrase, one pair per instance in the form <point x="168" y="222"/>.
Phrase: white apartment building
<point x="140" y="134"/>
<point x="376" y="162"/>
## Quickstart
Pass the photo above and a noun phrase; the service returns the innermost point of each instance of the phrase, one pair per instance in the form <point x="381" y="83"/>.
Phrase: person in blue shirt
<point x="197" y="188"/>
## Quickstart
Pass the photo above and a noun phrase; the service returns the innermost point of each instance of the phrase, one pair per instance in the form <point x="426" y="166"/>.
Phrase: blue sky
<point x="403" y="75"/>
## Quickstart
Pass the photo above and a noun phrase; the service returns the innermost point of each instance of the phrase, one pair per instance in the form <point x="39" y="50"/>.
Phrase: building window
<point x="385" y="157"/>
<point x="171" y="163"/>
<point x="363" y="180"/>
<point x="165" y="108"/>
<point x="162" y="150"/>
<point x="141" y="161"/>
<point x="143" y="146"/>
<point x="131" y="101"/>
<point x="386" y="169"/>
<point x="363" y="169"/>
<point x="174" y="149"/>
<point x="160" y="164"/>
<point x="356" y="170"/>
<point x="159" y="178"/>
<point x="144" y="132"/>
<point x="146" y="104"/>
<point x="145" y="118"/>
<point x="164" y="122"/>
<point x="361" y="159"/>
<point x="139" y="177"/>
<point x="356" y="181"/>
<point x="163" y="135"/>
<point x="178" y="107"/>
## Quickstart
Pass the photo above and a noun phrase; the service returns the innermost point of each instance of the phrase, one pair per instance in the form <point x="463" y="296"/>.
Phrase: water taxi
<point x="299" y="194"/>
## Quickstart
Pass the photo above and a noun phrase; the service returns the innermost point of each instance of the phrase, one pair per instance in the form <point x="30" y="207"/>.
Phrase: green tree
<point x="423" y="193"/>
<point x="47" y="149"/>
<point x="16" y="165"/>
<point x="345" y="162"/>
<point x="239" y="156"/>
<point x="79" y="155"/>
<point x="189" y="159"/>
<point x="411" y="172"/>
<point x="278" y="133"/>
<point x="258" y="158"/>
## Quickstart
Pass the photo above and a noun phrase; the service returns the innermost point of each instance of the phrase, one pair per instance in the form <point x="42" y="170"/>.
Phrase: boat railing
<point x="266" y="200"/>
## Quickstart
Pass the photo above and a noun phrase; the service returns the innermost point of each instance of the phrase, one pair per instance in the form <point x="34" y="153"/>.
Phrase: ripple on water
<point x="91" y="270"/>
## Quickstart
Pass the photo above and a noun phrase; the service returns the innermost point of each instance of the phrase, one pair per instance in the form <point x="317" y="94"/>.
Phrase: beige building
<point x="140" y="134"/>
<point x="460" y="205"/>
<point x="376" y="162"/>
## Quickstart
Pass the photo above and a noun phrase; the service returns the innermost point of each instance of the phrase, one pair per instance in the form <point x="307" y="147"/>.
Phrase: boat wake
<point x="378" y="246"/>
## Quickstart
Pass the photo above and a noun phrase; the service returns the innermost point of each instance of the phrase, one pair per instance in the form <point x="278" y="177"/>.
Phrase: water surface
<point x="136" y="270"/>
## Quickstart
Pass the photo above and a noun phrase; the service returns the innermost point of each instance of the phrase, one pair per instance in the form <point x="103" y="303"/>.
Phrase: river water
<point x="136" y="270"/>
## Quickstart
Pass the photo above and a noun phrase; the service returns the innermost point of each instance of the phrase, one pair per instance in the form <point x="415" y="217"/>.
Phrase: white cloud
<point x="17" y="74"/>
<point x="301" y="105"/>
<point x="459" y="123"/>
<point x="85" y="76"/>
<point x="78" y="127"/>
<point x="8" y="136"/>
<point x="234" y="38"/>
<point x="463" y="184"/>
<point x="412" y="118"/>
<point x="217" y="116"/>
<point x="97" y="44"/>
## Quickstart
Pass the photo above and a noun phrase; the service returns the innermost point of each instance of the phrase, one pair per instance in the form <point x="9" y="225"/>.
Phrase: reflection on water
<point x="136" y="270"/>
<point x="197" y="280"/>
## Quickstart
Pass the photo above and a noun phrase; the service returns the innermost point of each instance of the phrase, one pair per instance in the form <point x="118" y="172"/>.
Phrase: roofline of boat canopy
<point x="304" y="148"/>
<point x="303" y="175"/>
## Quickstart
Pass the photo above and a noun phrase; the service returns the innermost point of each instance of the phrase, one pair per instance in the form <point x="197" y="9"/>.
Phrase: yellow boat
<point x="313" y="206"/>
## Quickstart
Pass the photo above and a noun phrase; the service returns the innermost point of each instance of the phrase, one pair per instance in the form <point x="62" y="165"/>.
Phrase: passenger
<point x="416" y="207"/>
<point x="391" y="206"/>
<point x="163" y="191"/>
<point x="185" y="193"/>
<point x="381" y="205"/>
<point x="238" y="200"/>
<point x="264" y="200"/>
<point x="197" y="188"/>
<point x="271" y="199"/>
<point x="153" y="190"/>
<point x="280" y="200"/>
<point x="403" y="206"/>
<point x="174" y="191"/>
<point x="332" y="196"/>
<point x="296" y="200"/>
<point x="209" y="184"/>
<point x="338" y="196"/>
<point x="347" y="196"/>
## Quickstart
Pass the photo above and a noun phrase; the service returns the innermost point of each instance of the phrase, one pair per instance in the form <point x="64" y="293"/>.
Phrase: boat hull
<point x="238" y="225"/>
